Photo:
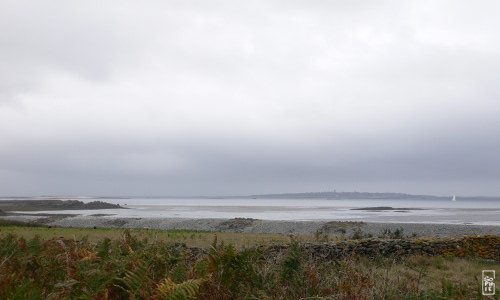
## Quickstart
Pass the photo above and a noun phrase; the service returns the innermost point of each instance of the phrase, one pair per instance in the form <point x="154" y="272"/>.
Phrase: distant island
<point x="37" y="205"/>
<point x="362" y="195"/>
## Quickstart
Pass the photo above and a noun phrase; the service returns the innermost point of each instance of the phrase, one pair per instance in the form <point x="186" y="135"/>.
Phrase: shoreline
<point x="324" y="228"/>
<point x="24" y="211"/>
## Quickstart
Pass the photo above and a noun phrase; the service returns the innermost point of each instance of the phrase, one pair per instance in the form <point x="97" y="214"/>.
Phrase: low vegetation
<point x="191" y="238"/>
<point x="117" y="264"/>
<point x="13" y="224"/>
<point x="53" y="204"/>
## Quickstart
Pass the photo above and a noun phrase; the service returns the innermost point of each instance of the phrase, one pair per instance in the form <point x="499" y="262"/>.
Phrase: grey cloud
<point x="38" y="39"/>
<point x="271" y="96"/>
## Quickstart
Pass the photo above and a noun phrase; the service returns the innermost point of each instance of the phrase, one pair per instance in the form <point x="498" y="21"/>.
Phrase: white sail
<point x="454" y="198"/>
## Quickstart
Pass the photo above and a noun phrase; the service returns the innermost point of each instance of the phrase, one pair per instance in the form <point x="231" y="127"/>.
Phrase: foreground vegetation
<point x="117" y="264"/>
<point x="192" y="238"/>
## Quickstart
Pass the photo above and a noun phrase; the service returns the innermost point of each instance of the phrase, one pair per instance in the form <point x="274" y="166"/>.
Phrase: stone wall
<point x="486" y="246"/>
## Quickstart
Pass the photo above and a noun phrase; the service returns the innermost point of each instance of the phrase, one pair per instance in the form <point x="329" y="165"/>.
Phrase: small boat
<point x="454" y="198"/>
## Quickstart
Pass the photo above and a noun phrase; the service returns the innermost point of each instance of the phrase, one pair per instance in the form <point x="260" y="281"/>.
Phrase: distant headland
<point x="52" y="204"/>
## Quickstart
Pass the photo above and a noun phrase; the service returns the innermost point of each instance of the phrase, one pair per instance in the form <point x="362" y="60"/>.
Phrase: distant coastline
<point x="329" y="195"/>
<point x="364" y="195"/>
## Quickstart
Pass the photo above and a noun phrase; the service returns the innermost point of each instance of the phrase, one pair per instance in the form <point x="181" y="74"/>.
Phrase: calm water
<point x="414" y="211"/>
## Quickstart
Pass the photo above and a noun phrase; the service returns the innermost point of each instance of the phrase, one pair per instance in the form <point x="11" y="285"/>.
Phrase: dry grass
<point x="422" y="274"/>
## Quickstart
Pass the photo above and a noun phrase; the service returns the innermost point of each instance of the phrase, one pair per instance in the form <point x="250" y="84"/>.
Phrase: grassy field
<point x="192" y="238"/>
<point x="70" y="263"/>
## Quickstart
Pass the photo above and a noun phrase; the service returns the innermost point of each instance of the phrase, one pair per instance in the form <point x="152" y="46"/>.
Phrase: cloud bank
<point x="196" y="97"/>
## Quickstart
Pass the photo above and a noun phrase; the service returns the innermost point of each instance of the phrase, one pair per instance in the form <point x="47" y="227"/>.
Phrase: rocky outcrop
<point x="236" y="224"/>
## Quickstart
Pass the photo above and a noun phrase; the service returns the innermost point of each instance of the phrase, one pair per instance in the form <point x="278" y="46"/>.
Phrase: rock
<point x="236" y="224"/>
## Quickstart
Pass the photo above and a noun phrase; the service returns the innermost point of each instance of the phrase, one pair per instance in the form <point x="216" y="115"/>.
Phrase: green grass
<point x="192" y="238"/>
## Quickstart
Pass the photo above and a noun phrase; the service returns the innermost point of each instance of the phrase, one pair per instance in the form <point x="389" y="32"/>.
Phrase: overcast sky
<point x="246" y="97"/>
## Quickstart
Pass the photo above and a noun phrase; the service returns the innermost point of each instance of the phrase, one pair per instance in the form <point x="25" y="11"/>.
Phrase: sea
<point x="471" y="211"/>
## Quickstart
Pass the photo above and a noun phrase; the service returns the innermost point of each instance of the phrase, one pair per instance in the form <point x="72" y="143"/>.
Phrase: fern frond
<point x="180" y="291"/>
<point x="135" y="279"/>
